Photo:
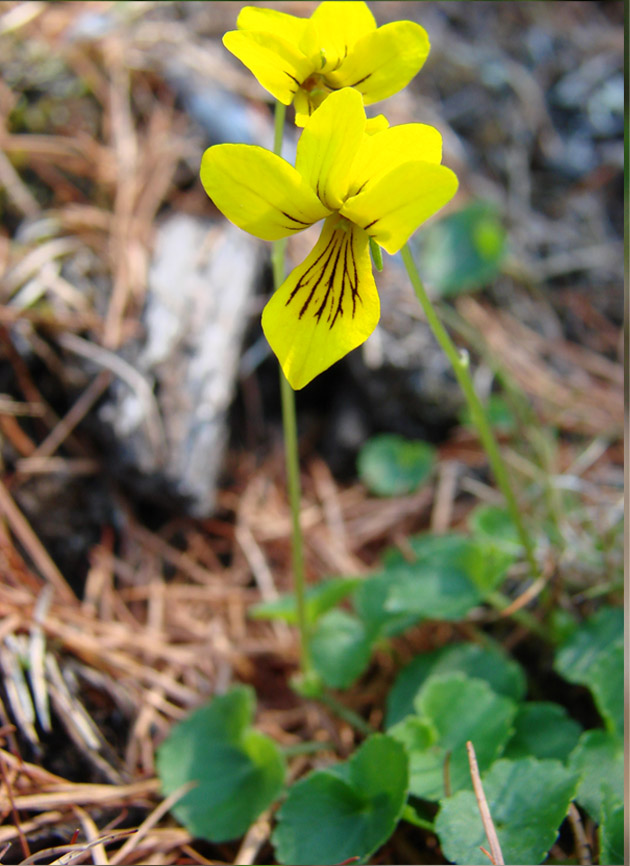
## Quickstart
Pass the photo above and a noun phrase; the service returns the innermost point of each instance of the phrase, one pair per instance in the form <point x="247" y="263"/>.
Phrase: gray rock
<point x="406" y="373"/>
<point x="172" y="430"/>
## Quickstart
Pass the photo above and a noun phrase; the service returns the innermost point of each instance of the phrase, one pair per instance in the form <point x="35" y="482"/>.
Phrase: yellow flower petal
<point x="387" y="148"/>
<point x="333" y="30"/>
<point x="279" y="66"/>
<point x="403" y="143"/>
<point x="329" y="143"/>
<point x="376" y="124"/>
<point x="392" y="208"/>
<point x="303" y="108"/>
<point x="326" y="308"/>
<point x="258" y="191"/>
<point x="285" y="26"/>
<point x="382" y="63"/>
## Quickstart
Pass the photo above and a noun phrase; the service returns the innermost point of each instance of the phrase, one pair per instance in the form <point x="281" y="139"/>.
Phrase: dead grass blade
<point x="484" y="811"/>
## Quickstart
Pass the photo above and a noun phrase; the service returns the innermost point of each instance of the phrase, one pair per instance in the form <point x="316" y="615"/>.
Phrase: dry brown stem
<point x="484" y="811"/>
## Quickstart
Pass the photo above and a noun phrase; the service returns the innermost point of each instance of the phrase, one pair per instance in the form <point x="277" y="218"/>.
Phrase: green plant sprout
<point x="440" y="701"/>
<point x="373" y="185"/>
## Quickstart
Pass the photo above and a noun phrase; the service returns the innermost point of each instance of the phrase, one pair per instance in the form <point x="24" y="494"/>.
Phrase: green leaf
<point x="479" y="559"/>
<point x="340" y="648"/>
<point x="431" y="591"/>
<point x="488" y="564"/>
<point x="493" y="524"/>
<point x="416" y="734"/>
<point x="500" y="415"/>
<point x="562" y="625"/>
<point x="425" y="546"/>
<point x="528" y="800"/>
<point x="599" y="634"/>
<point x="390" y="465"/>
<point x="463" y="251"/>
<point x="605" y="680"/>
<point x="611" y="832"/>
<point x="598" y="761"/>
<point x="593" y="657"/>
<point x="457" y="708"/>
<point x="544" y="730"/>
<point x="450" y="575"/>
<point x="489" y="663"/>
<point x="412" y="815"/>
<point x="345" y="811"/>
<point x="239" y="771"/>
<point x="319" y="598"/>
<point x="369" y="603"/>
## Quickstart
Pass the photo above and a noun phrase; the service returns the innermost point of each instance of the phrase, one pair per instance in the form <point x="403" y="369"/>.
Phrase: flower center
<point x="316" y="88"/>
<point x="340" y="222"/>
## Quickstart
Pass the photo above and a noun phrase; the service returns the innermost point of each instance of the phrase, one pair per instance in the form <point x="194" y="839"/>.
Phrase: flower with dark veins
<point x="303" y="60"/>
<point x="378" y="186"/>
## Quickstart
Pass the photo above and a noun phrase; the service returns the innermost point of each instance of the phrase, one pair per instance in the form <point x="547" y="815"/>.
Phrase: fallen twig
<point x="484" y="811"/>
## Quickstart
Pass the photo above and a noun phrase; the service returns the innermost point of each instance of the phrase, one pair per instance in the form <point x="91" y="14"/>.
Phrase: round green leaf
<point x="463" y="251"/>
<point x="238" y="770"/>
<point x="500" y="415"/>
<point x="593" y="656"/>
<point x="439" y="583"/>
<point x="490" y="663"/>
<point x="458" y="571"/>
<point x="597" y="635"/>
<point x="605" y="680"/>
<point x="457" y="708"/>
<point x="417" y="735"/>
<point x="319" y="598"/>
<point x="369" y="603"/>
<point x="562" y="625"/>
<point x="528" y="800"/>
<point x="494" y="524"/>
<point x="598" y="761"/>
<point x="340" y="648"/>
<point x="390" y="465"/>
<point x="611" y="832"/>
<point x="544" y="730"/>
<point x="346" y="811"/>
<point x="431" y="591"/>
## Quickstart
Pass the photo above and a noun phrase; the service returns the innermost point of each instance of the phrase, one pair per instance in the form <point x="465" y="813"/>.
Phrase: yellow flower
<point x="302" y="60"/>
<point x="380" y="186"/>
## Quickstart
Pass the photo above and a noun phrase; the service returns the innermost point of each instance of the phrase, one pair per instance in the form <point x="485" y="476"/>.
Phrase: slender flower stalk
<point x="345" y="713"/>
<point x="478" y="414"/>
<point x="289" y="423"/>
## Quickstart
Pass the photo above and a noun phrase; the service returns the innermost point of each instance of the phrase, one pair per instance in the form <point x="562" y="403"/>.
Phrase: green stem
<point x="529" y="425"/>
<point x="410" y="815"/>
<point x="478" y="415"/>
<point x="499" y="602"/>
<point x="293" y="484"/>
<point x="292" y="458"/>
<point x="345" y="713"/>
<point x="311" y="747"/>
